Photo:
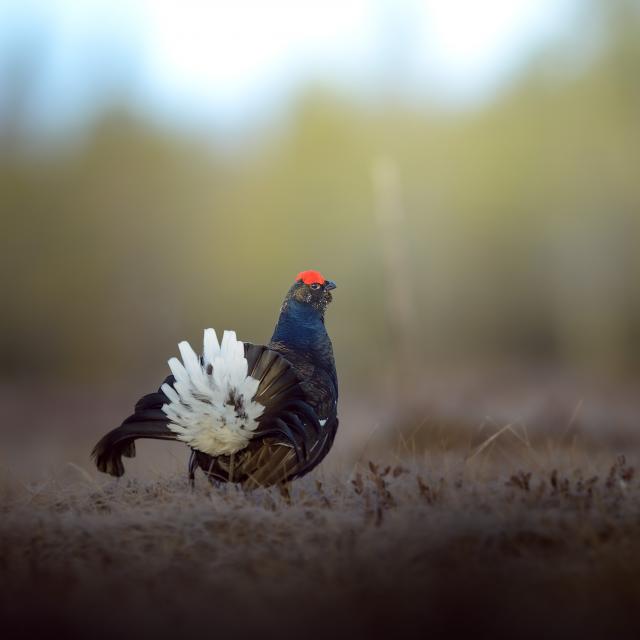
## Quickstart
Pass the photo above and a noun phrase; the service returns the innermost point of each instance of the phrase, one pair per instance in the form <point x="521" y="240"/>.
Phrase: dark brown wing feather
<point x="264" y="462"/>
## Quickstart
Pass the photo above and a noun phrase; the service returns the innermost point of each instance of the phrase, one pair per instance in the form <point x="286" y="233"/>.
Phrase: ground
<point x="415" y="547"/>
<point x="502" y="507"/>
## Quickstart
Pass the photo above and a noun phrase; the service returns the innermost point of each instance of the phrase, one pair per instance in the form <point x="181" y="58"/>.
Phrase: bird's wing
<point x="263" y="463"/>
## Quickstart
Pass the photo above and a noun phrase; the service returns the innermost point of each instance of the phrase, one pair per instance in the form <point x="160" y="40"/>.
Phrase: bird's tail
<point x="147" y="421"/>
<point x="209" y="403"/>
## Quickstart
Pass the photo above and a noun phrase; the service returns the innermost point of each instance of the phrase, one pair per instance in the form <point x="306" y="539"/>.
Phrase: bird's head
<point x="311" y="287"/>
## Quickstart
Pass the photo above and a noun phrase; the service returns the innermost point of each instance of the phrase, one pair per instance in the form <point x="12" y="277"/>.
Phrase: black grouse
<point x="251" y="414"/>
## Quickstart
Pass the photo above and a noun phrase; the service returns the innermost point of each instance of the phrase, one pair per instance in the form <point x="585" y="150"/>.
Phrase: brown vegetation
<point x="386" y="549"/>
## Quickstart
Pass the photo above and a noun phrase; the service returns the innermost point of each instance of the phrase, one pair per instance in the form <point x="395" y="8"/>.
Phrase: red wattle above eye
<point x="311" y="277"/>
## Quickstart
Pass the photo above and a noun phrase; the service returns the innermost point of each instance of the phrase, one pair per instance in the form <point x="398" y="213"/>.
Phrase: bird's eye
<point x="315" y="285"/>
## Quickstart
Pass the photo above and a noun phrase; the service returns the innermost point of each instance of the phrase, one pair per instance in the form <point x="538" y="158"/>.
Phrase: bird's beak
<point x="329" y="284"/>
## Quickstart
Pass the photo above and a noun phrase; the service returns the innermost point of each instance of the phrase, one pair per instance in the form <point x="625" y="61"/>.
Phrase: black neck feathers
<point x="300" y="326"/>
<point x="300" y="336"/>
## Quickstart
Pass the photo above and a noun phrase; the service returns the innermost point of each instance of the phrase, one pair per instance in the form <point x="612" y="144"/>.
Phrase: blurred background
<point x="468" y="173"/>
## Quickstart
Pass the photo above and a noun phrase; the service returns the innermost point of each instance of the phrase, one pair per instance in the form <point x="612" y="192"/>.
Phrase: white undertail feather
<point x="211" y="404"/>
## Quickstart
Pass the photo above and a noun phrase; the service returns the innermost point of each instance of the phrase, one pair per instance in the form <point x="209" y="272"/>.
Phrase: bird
<point x="253" y="415"/>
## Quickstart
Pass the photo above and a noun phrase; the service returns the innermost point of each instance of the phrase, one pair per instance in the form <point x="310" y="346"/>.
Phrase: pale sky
<point x="228" y="61"/>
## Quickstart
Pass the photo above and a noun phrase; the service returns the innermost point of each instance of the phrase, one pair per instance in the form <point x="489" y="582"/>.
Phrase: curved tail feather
<point x="147" y="421"/>
<point x="121" y="442"/>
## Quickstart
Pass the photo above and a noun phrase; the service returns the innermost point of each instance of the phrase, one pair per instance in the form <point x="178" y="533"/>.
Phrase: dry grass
<point x="543" y="545"/>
